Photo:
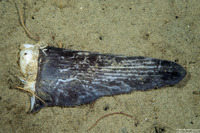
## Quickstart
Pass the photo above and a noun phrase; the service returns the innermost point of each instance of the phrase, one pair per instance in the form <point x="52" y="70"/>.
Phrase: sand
<point x="161" y="29"/>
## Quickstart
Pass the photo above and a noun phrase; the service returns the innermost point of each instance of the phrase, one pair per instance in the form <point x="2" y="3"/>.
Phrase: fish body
<point x="69" y="78"/>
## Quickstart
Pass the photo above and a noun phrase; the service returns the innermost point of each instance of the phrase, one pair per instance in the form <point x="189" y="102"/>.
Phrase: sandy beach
<point x="166" y="30"/>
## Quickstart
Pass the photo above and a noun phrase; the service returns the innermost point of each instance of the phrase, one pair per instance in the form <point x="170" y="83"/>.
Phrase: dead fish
<point x="62" y="77"/>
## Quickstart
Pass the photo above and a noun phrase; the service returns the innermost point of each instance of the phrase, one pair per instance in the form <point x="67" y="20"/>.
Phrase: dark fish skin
<point x="70" y="78"/>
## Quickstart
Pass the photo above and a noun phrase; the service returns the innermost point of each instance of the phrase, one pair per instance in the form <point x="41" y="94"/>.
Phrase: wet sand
<point x="161" y="29"/>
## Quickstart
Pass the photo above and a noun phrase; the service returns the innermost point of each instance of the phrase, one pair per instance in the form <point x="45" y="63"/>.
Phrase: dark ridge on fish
<point x="70" y="78"/>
